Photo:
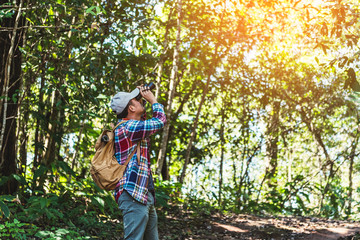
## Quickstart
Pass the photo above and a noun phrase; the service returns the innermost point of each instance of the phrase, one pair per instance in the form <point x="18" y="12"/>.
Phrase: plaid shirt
<point x="127" y="136"/>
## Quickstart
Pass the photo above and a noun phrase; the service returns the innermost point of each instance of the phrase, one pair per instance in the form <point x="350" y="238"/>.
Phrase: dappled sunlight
<point x="229" y="228"/>
<point x="262" y="101"/>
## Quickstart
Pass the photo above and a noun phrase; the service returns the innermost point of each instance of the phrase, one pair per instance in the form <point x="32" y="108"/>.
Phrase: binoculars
<point x="151" y="86"/>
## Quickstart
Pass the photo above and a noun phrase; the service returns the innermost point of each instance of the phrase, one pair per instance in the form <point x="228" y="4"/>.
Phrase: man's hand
<point x="147" y="94"/>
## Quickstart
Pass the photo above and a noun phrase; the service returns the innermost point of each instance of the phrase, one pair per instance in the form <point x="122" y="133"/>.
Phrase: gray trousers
<point x="140" y="221"/>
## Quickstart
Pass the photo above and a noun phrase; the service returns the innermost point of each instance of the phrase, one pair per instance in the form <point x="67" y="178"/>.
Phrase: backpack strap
<point x="118" y="125"/>
<point x="132" y="154"/>
<point x="138" y="152"/>
<point x="135" y="150"/>
<point x="129" y="157"/>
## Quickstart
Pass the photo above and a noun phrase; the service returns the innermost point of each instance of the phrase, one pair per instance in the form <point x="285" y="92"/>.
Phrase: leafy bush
<point x="16" y="230"/>
<point x="45" y="208"/>
<point x="167" y="191"/>
<point x="4" y="210"/>
<point x="60" y="233"/>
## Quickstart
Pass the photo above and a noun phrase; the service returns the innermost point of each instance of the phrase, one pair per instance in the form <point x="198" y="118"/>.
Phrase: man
<point x="135" y="193"/>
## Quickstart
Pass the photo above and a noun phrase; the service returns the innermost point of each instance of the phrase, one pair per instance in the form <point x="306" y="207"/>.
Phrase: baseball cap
<point x="121" y="100"/>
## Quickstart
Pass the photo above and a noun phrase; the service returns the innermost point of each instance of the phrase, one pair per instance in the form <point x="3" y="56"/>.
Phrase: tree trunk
<point x="211" y="70"/>
<point x="317" y="136"/>
<point x="272" y="135"/>
<point x="165" y="171"/>
<point x="245" y="151"/>
<point x="163" y="56"/>
<point x="193" y="130"/>
<point x="74" y="160"/>
<point x="51" y="136"/>
<point x="54" y="134"/>
<point x="173" y="77"/>
<point x="38" y="139"/>
<point x="222" y="143"/>
<point x="10" y="73"/>
<point x="351" y="170"/>
<point x="56" y="117"/>
<point x="23" y="131"/>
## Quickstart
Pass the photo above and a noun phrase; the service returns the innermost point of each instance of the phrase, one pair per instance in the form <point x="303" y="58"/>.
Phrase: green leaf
<point x="351" y="81"/>
<point x="42" y="234"/>
<point x="14" y="98"/>
<point x="29" y="20"/>
<point x="62" y="231"/>
<point x="43" y="202"/>
<point x="40" y="171"/>
<point x="8" y="198"/>
<point x="4" y="209"/>
<point x="99" y="202"/>
<point x="6" y="13"/>
<point x="150" y="42"/>
<point x="91" y="10"/>
<point x="20" y="179"/>
<point x="51" y="12"/>
<point x="39" y="192"/>
<point x="66" y="167"/>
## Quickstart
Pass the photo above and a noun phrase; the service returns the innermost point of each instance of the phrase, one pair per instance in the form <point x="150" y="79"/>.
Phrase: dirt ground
<point x="184" y="226"/>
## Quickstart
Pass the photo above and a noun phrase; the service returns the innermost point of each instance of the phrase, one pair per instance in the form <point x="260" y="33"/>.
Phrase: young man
<point x="135" y="193"/>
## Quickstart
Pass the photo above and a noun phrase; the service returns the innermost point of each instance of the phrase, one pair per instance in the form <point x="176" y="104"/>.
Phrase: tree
<point x="10" y="66"/>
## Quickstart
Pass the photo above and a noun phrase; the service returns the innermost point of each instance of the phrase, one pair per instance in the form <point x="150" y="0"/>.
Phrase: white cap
<point x="121" y="100"/>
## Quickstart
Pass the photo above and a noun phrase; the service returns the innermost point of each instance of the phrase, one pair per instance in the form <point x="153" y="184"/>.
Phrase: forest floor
<point x="184" y="225"/>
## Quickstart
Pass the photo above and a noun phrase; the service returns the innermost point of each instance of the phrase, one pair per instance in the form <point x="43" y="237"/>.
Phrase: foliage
<point x="64" y="216"/>
<point x="14" y="230"/>
<point x="277" y="132"/>
<point x="167" y="192"/>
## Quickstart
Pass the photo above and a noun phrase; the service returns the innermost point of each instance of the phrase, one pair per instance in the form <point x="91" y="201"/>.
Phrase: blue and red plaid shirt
<point x="127" y="136"/>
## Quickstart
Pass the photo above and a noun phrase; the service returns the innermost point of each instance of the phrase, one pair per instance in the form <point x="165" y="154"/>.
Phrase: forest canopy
<point x="261" y="98"/>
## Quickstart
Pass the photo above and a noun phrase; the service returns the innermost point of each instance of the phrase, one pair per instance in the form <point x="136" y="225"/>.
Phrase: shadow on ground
<point x="183" y="226"/>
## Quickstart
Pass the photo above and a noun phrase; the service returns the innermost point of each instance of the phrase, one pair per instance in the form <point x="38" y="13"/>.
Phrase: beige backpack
<point x="105" y="169"/>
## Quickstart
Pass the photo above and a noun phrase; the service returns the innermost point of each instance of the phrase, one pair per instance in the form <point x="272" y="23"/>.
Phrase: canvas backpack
<point x="105" y="169"/>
